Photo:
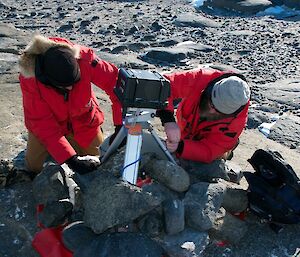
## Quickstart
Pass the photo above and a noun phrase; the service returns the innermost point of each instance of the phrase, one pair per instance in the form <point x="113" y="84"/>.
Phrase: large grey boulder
<point x="195" y="20"/>
<point x="202" y="203"/>
<point x="242" y="6"/>
<point x="188" y="243"/>
<point x="109" y="201"/>
<point x="165" y="54"/>
<point x="48" y="186"/>
<point x="285" y="93"/>
<point x="170" y="175"/>
<point x="287" y="131"/>
<point x="120" y="244"/>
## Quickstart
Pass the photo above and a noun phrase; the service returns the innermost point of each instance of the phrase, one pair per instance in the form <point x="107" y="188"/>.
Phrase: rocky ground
<point x="163" y="35"/>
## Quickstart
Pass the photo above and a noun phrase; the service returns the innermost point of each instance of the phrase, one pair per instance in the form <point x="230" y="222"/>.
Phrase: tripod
<point x="135" y="121"/>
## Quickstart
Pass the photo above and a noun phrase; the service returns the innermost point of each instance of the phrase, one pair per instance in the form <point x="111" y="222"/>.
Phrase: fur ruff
<point x="39" y="45"/>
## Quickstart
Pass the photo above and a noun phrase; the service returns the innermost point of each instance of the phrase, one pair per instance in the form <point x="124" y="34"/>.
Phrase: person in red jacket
<point x="210" y="117"/>
<point x="61" y="111"/>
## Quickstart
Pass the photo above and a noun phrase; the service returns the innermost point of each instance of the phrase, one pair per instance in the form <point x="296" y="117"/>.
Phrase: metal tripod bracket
<point x="135" y="121"/>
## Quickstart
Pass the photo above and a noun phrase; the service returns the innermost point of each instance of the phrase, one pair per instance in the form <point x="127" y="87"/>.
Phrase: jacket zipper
<point x="69" y="123"/>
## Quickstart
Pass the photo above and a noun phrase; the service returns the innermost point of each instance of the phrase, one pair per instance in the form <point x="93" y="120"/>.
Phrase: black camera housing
<point x="142" y="89"/>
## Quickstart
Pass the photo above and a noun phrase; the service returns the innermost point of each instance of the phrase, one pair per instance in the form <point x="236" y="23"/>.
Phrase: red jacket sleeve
<point x="182" y="84"/>
<point x="40" y="121"/>
<point x="215" y="144"/>
<point x="104" y="75"/>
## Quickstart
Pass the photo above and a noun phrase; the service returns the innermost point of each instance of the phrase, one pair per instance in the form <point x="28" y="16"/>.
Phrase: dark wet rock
<point x="195" y="20"/>
<point x="85" y="23"/>
<point x="294" y="4"/>
<point x="151" y="224"/>
<point x="165" y="43"/>
<point x="257" y="117"/>
<point x="137" y="46"/>
<point x="76" y="235"/>
<point x="286" y="130"/>
<point x="48" y="186"/>
<point x="55" y="213"/>
<point x="65" y="28"/>
<point x="202" y="202"/>
<point x="133" y="29"/>
<point x="107" y="197"/>
<point x="188" y="243"/>
<point x="118" y="49"/>
<point x="155" y="26"/>
<point x="248" y="6"/>
<point x="228" y="228"/>
<point x="120" y="244"/>
<point x="18" y="222"/>
<point x="165" y="54"/>
<point x="173" y="216"/>
<point x="167" y="173"/>
<point x="148" y="37"/>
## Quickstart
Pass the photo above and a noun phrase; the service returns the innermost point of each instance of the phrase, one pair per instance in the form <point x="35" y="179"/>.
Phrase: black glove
<point x="113" y="136"/>
<point x="165" y="116"/>
<point x="82" y="165"/>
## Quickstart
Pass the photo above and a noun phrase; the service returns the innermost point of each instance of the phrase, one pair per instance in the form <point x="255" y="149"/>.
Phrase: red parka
<point x="50" y="116"/>
<point x="204" y="141"/>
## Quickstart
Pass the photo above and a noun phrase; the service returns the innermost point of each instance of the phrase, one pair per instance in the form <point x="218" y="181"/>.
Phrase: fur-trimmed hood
<point x="39" y="45"/>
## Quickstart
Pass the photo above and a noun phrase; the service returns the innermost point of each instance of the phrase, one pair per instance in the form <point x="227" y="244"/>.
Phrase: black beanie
<point x="57" y="67"/>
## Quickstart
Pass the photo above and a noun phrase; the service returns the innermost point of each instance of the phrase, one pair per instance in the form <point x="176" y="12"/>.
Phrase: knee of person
<point x="33" y="167"/>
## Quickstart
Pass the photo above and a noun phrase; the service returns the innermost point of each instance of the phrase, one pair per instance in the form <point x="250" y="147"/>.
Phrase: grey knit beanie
<point x="230" y="94"/>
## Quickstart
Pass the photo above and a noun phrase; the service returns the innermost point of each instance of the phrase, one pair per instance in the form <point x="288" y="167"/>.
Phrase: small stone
<point x="173" y="216"/>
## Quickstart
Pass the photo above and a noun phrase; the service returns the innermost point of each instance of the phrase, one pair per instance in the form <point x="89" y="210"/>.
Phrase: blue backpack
<point x="274" y="188"/>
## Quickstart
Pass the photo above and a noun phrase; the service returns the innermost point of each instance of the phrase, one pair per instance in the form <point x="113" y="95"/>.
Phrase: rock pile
<point x="171" y="215"/>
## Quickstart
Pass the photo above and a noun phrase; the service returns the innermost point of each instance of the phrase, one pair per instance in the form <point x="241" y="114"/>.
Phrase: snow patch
<point x="198" y="3"/>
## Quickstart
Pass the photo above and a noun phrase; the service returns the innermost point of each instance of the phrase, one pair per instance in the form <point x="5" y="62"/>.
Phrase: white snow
<point x="198" y="3"/>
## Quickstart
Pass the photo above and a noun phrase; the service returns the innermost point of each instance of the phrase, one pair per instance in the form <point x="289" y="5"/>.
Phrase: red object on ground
<point x="140" y="182"/>
<point x="222" y="243"/>
<point x="48" y="242"/>
<point x="240" y="215"/>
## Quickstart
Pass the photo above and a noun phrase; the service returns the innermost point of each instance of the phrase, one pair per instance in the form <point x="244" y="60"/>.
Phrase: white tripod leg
<point x="132" y="154"/>
<point x="161" y="145"/>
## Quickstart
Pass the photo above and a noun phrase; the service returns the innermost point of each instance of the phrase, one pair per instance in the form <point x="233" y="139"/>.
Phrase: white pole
<point x="132" y="154"/>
